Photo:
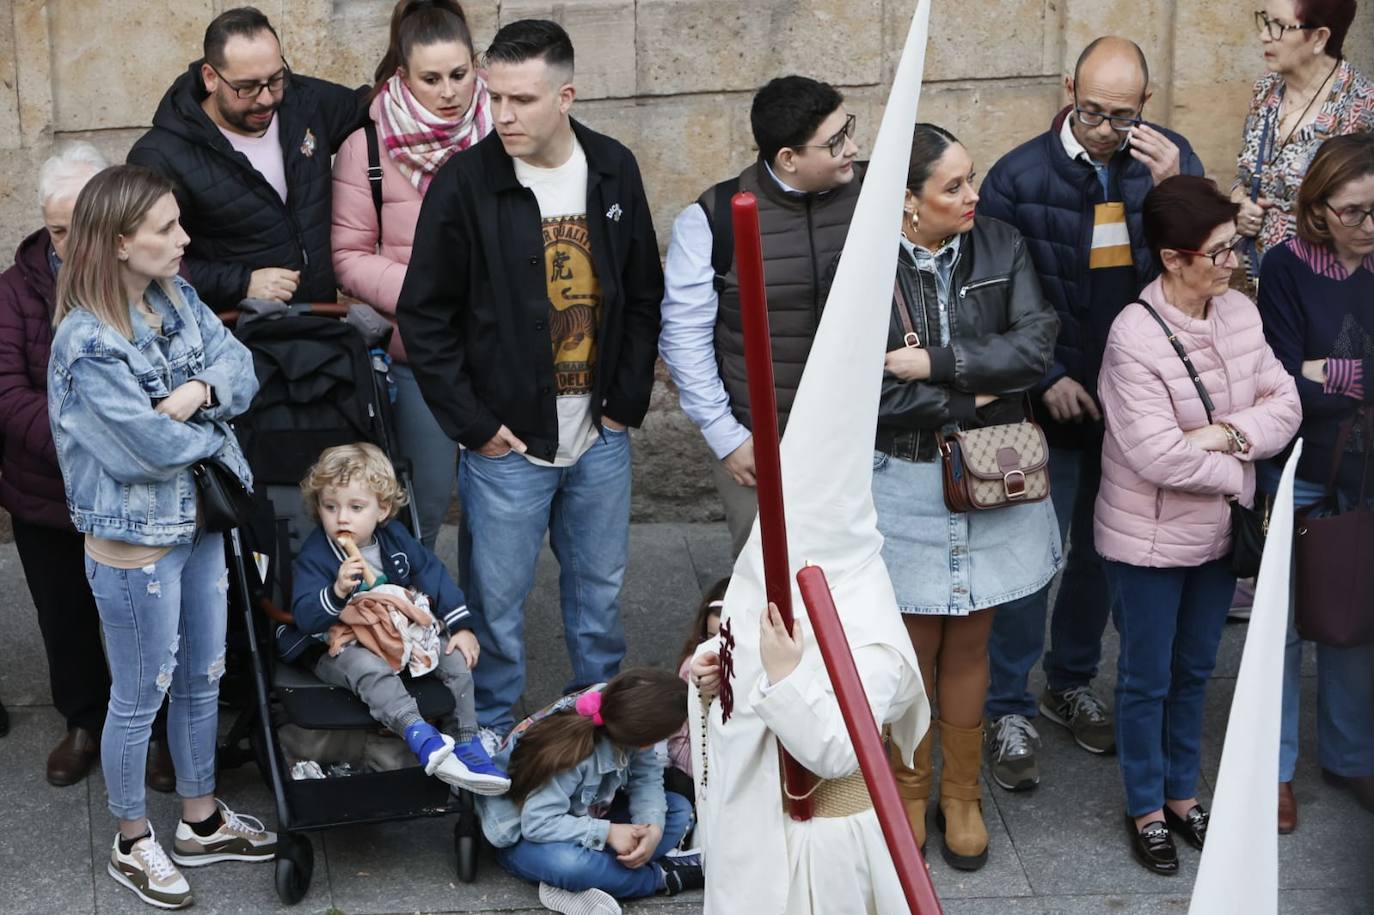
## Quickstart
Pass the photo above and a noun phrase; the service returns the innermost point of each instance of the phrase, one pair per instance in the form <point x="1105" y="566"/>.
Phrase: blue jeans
<point x="1345" y="684"/>
<point x="164" y="636"/>
<point x="1080" y="610"/>
<point x="432" y="454"/>
<point x="576" y="868"/>
<point x="1170" y="622"/>
<point x="508" y="505"/>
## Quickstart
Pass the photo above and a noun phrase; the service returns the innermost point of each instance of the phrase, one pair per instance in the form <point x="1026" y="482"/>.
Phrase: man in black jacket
<point x="530" y="314"/>
<point x="1076" y="193"/>
<point x="248" y="144"/>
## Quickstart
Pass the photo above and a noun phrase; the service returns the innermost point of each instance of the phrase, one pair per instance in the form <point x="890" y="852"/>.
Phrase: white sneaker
<point x="239" y="838"/>
<point x="147" y="871"/>
<point x="587" y="902"/>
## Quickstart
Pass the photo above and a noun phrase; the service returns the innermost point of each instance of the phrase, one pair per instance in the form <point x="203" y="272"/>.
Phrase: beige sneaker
<point x="147" y="872"/>
<point x="239" y="838"/>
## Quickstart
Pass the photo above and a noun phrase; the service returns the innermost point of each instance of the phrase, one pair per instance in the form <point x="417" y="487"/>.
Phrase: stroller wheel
<point x="295" y="864"/>
<point x="465" y="849"/>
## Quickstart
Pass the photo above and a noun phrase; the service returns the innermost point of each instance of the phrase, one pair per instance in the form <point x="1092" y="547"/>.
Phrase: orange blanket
<point x="371" y="619"/>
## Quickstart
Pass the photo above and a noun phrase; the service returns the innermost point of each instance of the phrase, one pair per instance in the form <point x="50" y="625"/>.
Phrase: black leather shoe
<point x="1192" y="825"/>
<point x="158" y="773"/>
<point x="1153" y="846"/>
<point x="71" y="760"/>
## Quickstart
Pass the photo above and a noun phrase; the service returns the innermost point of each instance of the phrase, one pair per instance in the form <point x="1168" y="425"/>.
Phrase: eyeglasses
<point x="1274" y="28"/>
<point x="1219" y="256"/>
<point x="1121" y="124"/>
<point x="836" y="143"/>
<point x="272" y="84"/>
<point x="1351" y="217"/>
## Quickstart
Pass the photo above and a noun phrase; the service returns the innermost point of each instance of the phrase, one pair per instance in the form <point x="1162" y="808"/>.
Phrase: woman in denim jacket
<point x="565" y="822"/>
<point x="141" y="384"/>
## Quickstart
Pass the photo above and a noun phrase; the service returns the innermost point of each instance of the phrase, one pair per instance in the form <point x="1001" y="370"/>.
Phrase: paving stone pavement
<point x="1059" y="850"/>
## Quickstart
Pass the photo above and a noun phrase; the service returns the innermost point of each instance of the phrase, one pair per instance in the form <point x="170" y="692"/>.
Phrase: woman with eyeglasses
<point x="1309" y="94"/>
<point x="1317" y="301"/>
<point x="429" y="103"/>
<point x="1171" y="459"/>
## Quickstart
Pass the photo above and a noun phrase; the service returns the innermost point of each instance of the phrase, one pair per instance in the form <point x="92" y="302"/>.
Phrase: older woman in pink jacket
<point x="1162" y="520"/>
<point x="430" y="102"/>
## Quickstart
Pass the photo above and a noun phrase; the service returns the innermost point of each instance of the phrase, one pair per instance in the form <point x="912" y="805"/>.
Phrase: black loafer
<point x="1153" y="846"/>
<point x="1192" y="825"/>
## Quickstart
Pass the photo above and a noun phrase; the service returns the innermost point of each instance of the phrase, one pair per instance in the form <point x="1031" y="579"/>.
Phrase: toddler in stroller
<point x="357" y="629"/>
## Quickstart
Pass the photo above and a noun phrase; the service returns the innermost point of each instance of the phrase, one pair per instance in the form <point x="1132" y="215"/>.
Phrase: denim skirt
<point x="951" y="563"/>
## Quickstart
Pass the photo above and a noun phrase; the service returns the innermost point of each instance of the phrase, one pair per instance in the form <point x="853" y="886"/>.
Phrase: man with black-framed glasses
<point x="248" y="143"/>
<point x="1075" y="193"/>
<point x="804" y="179"/>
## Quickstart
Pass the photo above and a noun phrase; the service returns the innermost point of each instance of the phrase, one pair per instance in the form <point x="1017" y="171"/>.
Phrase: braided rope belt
<point x="837" y="797"/>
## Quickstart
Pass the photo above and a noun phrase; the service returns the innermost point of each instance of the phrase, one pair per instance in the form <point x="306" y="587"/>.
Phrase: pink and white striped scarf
<point x="417" y="140"/>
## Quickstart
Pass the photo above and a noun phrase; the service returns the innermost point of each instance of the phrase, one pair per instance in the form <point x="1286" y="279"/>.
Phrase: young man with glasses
<point x="804" y="180"/>
<point x="1076" y="194"/>
<point x="248" y="144"/>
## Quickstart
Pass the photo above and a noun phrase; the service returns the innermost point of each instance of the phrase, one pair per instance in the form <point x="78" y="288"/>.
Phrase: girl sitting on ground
<point x="567" y="825"/>
<point x="353" y="491"/>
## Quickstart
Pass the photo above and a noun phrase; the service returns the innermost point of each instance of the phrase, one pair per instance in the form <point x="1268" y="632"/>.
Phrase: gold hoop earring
<point x="915" y="220"/>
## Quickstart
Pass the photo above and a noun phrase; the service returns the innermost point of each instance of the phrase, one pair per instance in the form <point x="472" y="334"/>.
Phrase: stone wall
<point x="671" y="78"/>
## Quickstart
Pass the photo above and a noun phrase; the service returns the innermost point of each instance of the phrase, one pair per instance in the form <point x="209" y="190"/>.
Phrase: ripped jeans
<point x="164" y="636"/>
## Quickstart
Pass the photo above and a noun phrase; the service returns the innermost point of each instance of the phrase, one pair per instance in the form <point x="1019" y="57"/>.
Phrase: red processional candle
<point x="868" y="743"/>
<point x="763" y="412"/>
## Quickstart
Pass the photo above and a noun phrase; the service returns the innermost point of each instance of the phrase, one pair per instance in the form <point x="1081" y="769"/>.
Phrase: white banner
<point x="1239" y="872"/>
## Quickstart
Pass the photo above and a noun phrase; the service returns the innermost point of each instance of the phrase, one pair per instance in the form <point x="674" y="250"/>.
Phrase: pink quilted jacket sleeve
<point x="361" y="271"/>
<point x="1272" y="421"/>
<point x="1140" y="414"/>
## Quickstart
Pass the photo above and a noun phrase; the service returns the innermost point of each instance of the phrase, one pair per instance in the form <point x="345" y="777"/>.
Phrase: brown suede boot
<point x="961" y="806"/>
<point x="914" y="785"/>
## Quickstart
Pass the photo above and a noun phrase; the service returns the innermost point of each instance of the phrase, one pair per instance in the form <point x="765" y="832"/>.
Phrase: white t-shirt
<point x="574" y="298"/>
<point x="265" y="154"/>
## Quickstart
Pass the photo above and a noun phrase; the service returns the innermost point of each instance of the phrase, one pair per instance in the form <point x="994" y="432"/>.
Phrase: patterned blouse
<point x="1347" y="108"/>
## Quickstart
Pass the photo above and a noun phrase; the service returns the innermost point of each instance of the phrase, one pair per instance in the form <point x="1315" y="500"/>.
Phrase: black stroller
<point x="319" y="387"/>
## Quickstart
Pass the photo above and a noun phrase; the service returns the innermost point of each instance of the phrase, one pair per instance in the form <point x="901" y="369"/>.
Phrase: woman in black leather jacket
<point x="976" y="335"/>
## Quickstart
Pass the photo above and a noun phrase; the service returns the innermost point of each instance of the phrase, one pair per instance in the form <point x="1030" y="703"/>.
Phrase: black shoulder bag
<point x="225" y="502"/>
<point x="1248" y="527"/>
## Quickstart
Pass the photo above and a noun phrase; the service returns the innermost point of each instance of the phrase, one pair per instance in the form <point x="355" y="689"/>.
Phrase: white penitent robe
<point x="837" y="865"/>
<point x="758" y="860"/>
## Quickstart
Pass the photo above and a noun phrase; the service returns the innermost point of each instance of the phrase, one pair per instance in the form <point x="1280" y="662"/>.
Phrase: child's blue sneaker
<point x="471" y="767"/>
<point x="429" y="746"/>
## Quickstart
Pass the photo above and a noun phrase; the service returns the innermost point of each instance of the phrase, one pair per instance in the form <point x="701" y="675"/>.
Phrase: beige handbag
<point x="990" y="467"/>
<point x="994" y="466"/>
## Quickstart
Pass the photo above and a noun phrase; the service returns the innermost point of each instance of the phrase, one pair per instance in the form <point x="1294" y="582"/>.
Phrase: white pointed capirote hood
<point x="827" y="471"/>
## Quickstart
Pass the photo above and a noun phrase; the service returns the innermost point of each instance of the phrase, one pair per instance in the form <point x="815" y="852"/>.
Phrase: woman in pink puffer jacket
<point x="1163" y="525"/>
<point x="430" y="102"/>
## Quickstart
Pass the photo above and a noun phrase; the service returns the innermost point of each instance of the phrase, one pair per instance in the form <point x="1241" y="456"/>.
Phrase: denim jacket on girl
<point x="126" y="467"/>
<point x="571" y="806"/>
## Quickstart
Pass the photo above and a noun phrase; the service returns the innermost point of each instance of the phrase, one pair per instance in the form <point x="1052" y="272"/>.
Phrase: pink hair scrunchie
<point x="589" y="706"/>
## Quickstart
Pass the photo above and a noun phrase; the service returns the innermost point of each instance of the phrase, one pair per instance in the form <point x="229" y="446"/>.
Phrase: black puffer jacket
<point x="236" y="221"/>
<point x="1002" y="333"/>
<point x="801" y="235"/>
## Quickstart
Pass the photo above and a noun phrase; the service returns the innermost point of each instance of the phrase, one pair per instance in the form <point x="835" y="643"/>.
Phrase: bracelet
<point x="1239" y="443"/>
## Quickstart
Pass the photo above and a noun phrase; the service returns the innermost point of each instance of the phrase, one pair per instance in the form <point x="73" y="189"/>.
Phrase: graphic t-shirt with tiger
<point x="574" y="297"/>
